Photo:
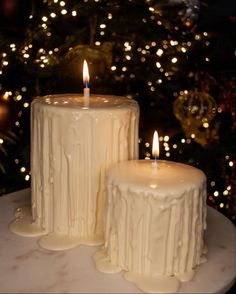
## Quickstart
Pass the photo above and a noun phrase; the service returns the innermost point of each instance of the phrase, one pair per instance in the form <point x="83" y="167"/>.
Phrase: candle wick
<point x="155" y="163"/>
<point x="86" y="97"/>
<point x="86" y="92"/>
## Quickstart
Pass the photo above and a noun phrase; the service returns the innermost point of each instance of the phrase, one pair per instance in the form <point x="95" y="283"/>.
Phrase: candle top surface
<point x="80" y="102"/>
<point x="167" y="177"/>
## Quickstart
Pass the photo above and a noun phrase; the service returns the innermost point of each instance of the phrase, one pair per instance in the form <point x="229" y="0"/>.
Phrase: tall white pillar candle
<point x="71" y="148"/>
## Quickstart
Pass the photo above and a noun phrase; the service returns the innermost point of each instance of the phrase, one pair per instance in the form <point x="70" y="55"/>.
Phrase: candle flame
<point x="85" y="74"/>
<point x="155" y="145"/>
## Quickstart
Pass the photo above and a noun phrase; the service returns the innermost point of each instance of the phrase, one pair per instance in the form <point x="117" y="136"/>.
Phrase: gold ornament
<point x="195" y="110"/>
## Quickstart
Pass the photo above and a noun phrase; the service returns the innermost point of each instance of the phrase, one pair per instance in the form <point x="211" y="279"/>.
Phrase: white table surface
<point x="27" y="268"/>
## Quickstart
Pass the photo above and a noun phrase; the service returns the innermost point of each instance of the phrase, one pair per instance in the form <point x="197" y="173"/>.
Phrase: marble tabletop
<point x="27" y="268"/>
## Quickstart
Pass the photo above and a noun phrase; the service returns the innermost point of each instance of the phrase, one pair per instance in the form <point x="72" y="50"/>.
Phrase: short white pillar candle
<point x="156" y="218"/>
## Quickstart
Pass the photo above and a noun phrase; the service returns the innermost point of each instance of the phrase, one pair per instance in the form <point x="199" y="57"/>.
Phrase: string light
<point x="173" y="43"/>
<point x="18" y="98"/>
<point x="198" y="37"/>
<point x="174" y="60"/>
<point x="216" y="193"/>
<point x="166" y="138"/>
<point x="205" y="125"/>
<point x="64" y="11"/>
<point x="22" y="169"/>
<point x="159" y="52"/>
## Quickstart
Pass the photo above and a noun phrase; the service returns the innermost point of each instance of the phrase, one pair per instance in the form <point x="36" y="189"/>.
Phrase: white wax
<point x="76" y="102"/>
<point x="155" y="223"/>
<point x="72" y="146"/>
<point x="166" y="178"/>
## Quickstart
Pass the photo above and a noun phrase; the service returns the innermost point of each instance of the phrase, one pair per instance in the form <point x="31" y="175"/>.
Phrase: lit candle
<point x="150" y="216"/>
<point x="69" y="164"/>
<point x="86" y="79"/>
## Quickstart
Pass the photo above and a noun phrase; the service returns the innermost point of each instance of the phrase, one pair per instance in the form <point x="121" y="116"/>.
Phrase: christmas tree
<point x="175" y="57"/>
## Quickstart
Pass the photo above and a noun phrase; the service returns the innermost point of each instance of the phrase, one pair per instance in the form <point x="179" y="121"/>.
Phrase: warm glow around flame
<point x="155" y="145"/>
<point x="85" y="74"/>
